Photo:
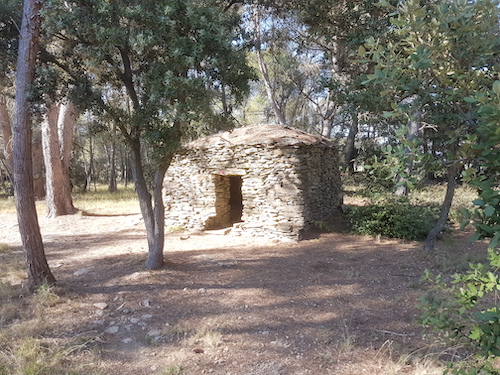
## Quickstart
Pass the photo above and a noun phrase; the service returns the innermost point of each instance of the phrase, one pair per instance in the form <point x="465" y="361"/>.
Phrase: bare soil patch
<point x="224" y="304"/>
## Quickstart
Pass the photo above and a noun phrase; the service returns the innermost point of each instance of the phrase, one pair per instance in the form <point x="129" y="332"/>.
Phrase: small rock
<point x="101" y="305"/>
<point x="147" y="316"/>
<point x="202" y="290"/>
<point x="112" y="329"/>
<point x="153" y="368"/>
<point x="134" y="320"/>
<point x="154" y="332"/>
<point x="146" y="303"/>
<point x="83" y="271"/>
<point x="127" y="340"/>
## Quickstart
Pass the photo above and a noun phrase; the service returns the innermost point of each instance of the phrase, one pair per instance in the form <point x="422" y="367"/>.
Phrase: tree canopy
<point x="150" y="68"/>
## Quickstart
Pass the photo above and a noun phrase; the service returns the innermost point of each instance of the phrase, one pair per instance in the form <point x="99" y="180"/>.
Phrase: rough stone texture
<point x="265" y="180"/>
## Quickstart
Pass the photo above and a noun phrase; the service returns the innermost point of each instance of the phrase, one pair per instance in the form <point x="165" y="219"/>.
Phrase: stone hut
<point x="266" y="180"/>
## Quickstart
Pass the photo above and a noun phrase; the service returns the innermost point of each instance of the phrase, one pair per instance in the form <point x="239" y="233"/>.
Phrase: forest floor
<point x="331" y="304"/>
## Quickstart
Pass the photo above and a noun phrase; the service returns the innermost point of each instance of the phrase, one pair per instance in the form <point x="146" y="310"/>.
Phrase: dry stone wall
<point x="284" y="188"/>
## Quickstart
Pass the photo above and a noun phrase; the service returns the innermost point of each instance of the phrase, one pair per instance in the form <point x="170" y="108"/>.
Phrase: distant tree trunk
<point x="453" y="174"/>
<point x="112" y="163"/>
<point x="57" y="132"/>
<point x="38" y="175"/>
<point x="112" y="168"/>
<point x="349" y="151"/>
<point x="7" y="136"/>
<point x="89" y="170"/>
<point x="413" y="125"/>
<point x="36" y="262"/>
<point x="6" y="128"/>
<point x="280" y="116"/>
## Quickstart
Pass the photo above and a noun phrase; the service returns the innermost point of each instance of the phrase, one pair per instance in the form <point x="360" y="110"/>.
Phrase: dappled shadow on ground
<point x="330" y="305"/>
<point x="289" y="301"/>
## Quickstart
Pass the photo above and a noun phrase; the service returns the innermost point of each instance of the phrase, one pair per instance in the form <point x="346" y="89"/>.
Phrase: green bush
<point x="396" y="219"/>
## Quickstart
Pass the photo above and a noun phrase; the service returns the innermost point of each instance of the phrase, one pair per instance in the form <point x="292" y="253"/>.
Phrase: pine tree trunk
<point x="5" y="125"/>
<point x="89" y="170"/>
<point x="37" y="157"/>
<point x="6" y="129"/>
<point x="36" y="262"/>
<point x="112" y="163"/>
<point x="58" y="185"/>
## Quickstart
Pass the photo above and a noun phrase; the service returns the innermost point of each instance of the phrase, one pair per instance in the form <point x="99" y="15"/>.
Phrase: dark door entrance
<point x="235" y="198"/>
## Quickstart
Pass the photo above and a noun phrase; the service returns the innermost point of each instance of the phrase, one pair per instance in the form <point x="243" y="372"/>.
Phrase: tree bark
<point x="154" y="219"/>
<point x="349" y="145"/>
<point x="37" y="156"/>
<point x="36" y="262"/>
<point x="6" y="127"/>
<point x="453" y="173"/>
<point x="89" y="168"/>
<point x="112" y="163"/>
<point x="57" y="131"/>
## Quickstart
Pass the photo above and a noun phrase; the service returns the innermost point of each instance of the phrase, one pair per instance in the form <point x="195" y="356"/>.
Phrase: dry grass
<point x="122" y="202"/>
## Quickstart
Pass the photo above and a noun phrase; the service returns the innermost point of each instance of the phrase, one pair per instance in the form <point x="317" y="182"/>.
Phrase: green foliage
<point x="396" y="219"/>
<point x="441" y="57"/>
<point x="152" y="69"/>
<point x="464" y="308"/>
<point x="467" y="307"/>
<point x="392" y="164"/>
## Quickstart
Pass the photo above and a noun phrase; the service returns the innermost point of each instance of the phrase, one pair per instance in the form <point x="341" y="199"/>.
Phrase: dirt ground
<point x="224" y="304"/>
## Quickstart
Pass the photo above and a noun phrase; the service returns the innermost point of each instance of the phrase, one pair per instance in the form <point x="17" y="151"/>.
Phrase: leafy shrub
<point x="464" y="309"/>
<point x="396" y="219"/>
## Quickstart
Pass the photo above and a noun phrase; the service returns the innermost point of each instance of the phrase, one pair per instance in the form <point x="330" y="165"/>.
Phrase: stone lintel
<point x="231" y="172"/>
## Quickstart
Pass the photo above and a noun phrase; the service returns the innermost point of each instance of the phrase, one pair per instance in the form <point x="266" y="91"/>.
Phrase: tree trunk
<point x="263" y="68"/>
<point x="112" y="163"/>
<point x="89" y="169"/>
<point x="453" y="173"/>
<point x="155" y="257"/>
<point x="349" y="151"/>
<point x="402" y="182"/>
<point x="6" y="128"/>
<point x="36" y="262"/>
<point x="38" y="175"/>
<point x="57" y="132"/>
<point x="7" y="136"/>
<point x="155" y="252"/>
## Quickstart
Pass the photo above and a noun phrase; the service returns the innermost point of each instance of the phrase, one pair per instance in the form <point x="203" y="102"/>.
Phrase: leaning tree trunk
<point x="56" y="154"/>
<point x="36" y="262"/>
<point x="453" y="173"/>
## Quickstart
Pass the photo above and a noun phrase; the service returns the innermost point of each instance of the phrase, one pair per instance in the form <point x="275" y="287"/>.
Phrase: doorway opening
<point x="235" y="199"/>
